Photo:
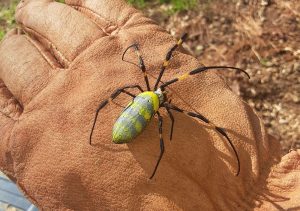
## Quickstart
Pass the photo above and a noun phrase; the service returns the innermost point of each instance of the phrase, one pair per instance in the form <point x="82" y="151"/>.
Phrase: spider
<point x="139" y="112"/>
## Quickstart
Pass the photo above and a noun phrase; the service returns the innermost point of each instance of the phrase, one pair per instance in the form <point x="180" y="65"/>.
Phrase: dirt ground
<point x="263" y="38"/>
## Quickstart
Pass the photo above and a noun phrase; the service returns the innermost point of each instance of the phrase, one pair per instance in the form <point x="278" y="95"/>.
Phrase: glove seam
<point x="49" y="61"/>
<point x="96" y="15"/>
<point x="60" y="58"/>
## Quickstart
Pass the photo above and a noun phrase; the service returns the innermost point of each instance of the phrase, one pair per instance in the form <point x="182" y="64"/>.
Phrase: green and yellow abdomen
<point x="135" y="117"/>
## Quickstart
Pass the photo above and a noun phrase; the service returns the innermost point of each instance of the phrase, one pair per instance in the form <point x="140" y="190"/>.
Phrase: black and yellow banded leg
<point x="197" y="71"/>
<point x="219" y="129"/>
<point x="168" y="57"/>
<point x="115" y="94"/>
<point x="141" y="63"/>
<point x="162" y="146"/>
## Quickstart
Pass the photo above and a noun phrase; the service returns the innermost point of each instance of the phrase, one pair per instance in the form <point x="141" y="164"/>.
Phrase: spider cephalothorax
<point x="139" y="112"/>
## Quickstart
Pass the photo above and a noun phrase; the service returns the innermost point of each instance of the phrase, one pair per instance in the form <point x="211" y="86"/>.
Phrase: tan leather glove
<point x="55" y="75"/>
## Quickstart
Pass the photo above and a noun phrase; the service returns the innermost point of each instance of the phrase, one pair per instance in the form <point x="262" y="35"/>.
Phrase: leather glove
<point x="65" y="59"/>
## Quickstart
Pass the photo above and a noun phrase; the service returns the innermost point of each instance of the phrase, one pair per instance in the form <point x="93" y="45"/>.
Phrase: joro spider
<point x="139" y="112"/>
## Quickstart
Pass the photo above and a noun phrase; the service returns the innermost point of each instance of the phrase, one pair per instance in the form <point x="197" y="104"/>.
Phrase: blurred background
<point x="260" y="36"/>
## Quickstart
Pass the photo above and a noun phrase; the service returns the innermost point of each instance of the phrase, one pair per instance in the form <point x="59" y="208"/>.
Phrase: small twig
<point x="256" y="54"/>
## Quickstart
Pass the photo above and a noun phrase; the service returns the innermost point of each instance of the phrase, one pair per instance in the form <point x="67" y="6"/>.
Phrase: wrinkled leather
<point x="64" y="60"/>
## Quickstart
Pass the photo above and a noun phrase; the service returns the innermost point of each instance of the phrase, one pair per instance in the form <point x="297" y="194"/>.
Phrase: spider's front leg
<point x="114" y="95"/>
<point x="141" y="62"/>
<point x="168" y="57"/>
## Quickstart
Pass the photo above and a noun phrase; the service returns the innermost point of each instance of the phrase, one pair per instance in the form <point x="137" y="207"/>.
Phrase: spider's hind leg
<point x="162" y="145"/>
<point x="115" y="94"/>
<point x="204" y="119"/>
<point x="172" y="121"/>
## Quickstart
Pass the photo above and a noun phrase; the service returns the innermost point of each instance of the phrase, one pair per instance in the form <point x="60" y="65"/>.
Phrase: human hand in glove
<point x="65" y="59"/>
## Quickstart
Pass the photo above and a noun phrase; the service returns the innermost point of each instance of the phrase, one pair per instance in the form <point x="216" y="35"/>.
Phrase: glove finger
<point x="111" y="16"/>
<point x="9" y="111"/>
<point x="63" y="30"/>
<point x="32" y="71"/>
<point x="6" y="162"/>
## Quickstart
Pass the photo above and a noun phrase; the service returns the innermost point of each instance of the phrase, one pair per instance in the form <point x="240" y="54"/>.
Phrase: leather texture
<point x="59" y="65"/>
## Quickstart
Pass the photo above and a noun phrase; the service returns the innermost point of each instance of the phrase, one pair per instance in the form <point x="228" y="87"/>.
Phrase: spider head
<point x="161" y="95"/>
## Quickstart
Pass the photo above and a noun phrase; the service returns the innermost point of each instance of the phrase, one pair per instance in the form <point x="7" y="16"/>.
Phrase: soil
<point x="263" y="39"/>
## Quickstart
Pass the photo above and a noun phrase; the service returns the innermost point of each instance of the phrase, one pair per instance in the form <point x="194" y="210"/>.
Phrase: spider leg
<point x="115" y="94"/>
<point x="219" y="129"/>
<point x="197" y="71"/>
<point x="172" y="121"/>
<point x="141" y="62"/>
<point x="168" y="57"/>
<point x="162" y="146"/>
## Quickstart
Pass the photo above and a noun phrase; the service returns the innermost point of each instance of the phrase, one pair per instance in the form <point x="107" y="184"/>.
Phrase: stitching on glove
<point x="60" y="58"/>
<point x="109" y="29"/>
<point x="42" y="51"/>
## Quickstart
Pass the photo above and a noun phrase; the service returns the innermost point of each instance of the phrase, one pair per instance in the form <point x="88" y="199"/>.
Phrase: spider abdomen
<point x="135" y="117"/>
